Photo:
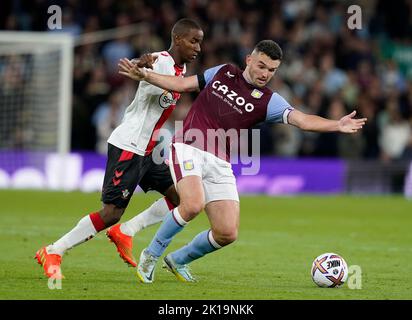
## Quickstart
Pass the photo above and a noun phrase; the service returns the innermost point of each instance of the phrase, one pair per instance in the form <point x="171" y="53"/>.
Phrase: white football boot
<point x="181" y="271"/>
<point x="146" y="266"/>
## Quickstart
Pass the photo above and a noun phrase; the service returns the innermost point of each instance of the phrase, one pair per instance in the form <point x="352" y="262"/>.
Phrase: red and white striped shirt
<point x="148" y="111"/>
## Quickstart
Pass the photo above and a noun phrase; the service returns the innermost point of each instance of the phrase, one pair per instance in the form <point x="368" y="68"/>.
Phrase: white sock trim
<point x="178" y="217"/>
<point x="83" y="231"/>
<point x="152" y="215"/>
<point x="213" y="241"/>
<point x="125" y="229"/>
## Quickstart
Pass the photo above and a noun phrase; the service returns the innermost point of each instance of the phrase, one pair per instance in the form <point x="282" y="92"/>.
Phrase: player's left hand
<point x="146" y="60"/>
<point x="128" y="69"/>
<point x="349" y="125"/>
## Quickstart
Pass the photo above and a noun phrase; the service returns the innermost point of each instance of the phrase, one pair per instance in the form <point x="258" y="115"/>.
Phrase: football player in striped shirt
<point x="130" y="162"/>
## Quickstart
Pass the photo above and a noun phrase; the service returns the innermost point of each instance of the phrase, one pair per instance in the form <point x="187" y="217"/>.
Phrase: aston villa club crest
<point x="188" y="165"/>
<point x="256" y="94"/>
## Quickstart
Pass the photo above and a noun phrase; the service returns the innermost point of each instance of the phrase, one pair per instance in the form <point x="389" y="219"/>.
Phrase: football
<point x="329" y="270"/>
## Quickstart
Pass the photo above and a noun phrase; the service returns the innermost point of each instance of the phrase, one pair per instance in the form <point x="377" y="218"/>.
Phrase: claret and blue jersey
<point x="228" y="102"/>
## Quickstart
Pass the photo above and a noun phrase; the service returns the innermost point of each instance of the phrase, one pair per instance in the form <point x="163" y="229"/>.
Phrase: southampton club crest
<point x="125" y="193"/>
<point x="168" y="99"/>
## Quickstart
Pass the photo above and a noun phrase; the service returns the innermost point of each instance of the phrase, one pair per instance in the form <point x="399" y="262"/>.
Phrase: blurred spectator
<point x="333" y="78"/>
<point x="350" y="91"/>
<point x="107" y="117"/>
<point x="114" y="51"/>
<point x="301" y="73"/>
<point x="288" y="138"/>
<point x="119" y="48"/>
<point x="329" y="144"/>
<point x="370" y="131"/>
<point x="395" y="132"/>
<point x="392" y="78"/>
<point x="11" y="103"/>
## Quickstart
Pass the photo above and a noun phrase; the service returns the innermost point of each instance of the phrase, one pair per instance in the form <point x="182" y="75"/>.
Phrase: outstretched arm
<point x="172" y="83"/>
<point x="346" y="124"/>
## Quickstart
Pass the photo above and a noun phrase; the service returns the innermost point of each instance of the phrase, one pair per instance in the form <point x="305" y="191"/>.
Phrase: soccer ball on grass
<point x="329" y="270"/>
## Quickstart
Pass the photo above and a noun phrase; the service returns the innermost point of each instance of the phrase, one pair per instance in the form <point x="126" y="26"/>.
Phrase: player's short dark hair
<point x="182" y="26"/>
<point x="270" y="48"/>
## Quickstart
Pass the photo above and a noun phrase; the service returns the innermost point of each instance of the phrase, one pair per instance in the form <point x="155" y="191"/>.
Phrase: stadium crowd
<point x="328" y="69"/>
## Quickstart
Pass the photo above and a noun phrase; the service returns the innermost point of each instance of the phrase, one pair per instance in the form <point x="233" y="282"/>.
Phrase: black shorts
<point x="125" y="170"/>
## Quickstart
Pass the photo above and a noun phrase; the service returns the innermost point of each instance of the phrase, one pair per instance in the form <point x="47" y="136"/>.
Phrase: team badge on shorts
<point x="125" y="193"/>
<point x="188" y="165"/>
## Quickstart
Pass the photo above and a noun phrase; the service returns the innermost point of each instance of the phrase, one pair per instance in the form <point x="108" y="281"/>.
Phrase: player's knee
<point x="226" y="237"/>
<point x="172" y="196"/>
<point x="111" y="214"/>
<point x="190" y="209"/>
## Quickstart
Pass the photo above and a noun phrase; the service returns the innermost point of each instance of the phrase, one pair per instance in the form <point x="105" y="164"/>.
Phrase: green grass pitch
<point x="278" y="240"/>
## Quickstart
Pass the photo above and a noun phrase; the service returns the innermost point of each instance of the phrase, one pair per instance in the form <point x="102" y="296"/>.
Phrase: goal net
<point x="35" y="99"/>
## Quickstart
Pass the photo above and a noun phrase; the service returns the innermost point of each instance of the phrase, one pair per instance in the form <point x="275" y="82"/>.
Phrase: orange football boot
<point x="124" y="244"/>
<point x="50" y="263"/>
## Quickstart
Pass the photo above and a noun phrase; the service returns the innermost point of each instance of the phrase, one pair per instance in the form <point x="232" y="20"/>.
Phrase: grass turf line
<point x="278" y="240"/>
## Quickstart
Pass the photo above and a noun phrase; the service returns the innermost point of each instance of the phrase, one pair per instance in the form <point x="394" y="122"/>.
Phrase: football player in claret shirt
<point x="130" y="161"/>
<point x="230" y="99"/>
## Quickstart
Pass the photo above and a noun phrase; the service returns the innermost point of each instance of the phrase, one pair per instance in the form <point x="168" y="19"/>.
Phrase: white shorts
<point x="218" y="180"/>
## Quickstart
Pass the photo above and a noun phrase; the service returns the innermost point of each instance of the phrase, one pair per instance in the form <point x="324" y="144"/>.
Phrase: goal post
<point x="41" y="47"/>
<point x="35" y="97"/>
<point x="36" y="72"/>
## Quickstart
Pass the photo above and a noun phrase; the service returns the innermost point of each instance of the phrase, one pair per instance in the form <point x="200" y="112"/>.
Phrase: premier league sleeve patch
<point x="188" y="165"/>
